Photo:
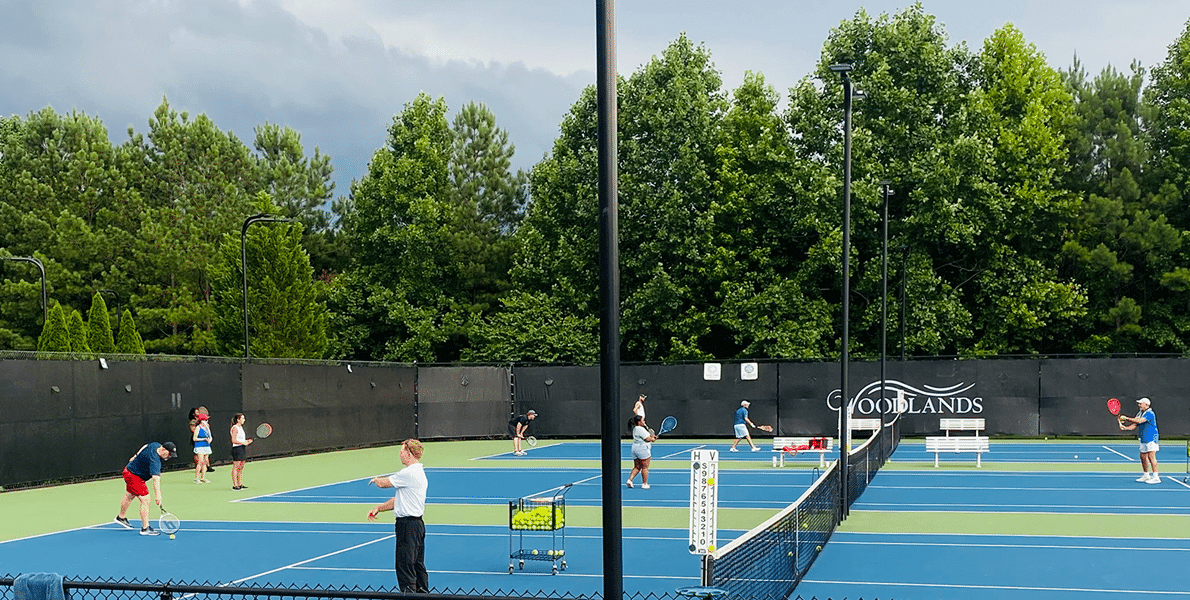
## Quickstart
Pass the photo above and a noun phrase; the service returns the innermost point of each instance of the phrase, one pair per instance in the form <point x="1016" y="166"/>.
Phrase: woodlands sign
<point x="900" y="397"/>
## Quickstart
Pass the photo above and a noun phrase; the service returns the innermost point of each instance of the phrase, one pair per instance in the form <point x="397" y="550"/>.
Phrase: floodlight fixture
<point x="841" y="68"/>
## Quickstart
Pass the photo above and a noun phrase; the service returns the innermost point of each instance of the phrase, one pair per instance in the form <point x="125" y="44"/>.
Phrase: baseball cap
<point x="202" y="417"/>
<point x="744" y="403"/>
<point x="173" y="450"/>
<point x="1144" y="401"/>
<point x="531" y="412"/>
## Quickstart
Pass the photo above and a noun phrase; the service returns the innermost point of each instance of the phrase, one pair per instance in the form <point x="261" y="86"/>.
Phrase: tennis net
<point x="769" y="561"/>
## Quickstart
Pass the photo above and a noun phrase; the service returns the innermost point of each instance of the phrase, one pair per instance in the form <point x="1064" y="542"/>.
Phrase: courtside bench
<point x="780" y="443"/>
<point x="959" y="443"/>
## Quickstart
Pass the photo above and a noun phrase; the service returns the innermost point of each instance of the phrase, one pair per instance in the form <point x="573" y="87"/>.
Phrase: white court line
<point x="299" y="563"/>
<point x="1118" y="452"/>
<point x="995" y="587"/>
<point x="682" y="452"/>
<point x="1175" y="480"/>
<point x="835" y="542"/>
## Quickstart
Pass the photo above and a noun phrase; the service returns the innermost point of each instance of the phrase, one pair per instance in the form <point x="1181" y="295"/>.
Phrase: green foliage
<point x="55" y="336"/>
<point x="129" y="341"/>
<point x="99" y="327"/>
<point x="77" y="330"/>
<point x="286" y="319"/>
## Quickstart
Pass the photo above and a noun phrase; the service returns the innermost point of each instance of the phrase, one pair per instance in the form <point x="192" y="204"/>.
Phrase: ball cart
<point x="536" y="529"/>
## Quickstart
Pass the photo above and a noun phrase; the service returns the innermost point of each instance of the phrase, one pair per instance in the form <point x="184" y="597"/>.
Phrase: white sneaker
<point x="1154" y="479"/>
<point x="644" y="486"/>
<point x="1143" y="478"/>
<point x="734" y="449"/>
<point x="756" y="448"/>
<point x="628" y="483"/>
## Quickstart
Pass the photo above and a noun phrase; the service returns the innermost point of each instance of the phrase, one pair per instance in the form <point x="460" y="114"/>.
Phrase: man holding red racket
<point x="1146" y="422"/>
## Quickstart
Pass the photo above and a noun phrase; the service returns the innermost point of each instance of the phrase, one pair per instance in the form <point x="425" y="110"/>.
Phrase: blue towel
<point x="39" y="586"/>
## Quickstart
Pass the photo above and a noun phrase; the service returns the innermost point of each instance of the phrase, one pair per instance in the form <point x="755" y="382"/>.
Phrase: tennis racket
<point x="768" y="428"/>
<point x="167" y="523"/>
<point x="264" y="430"/>
<point x="1113" y="407"/>
<point x="532" y="441"/>
<point x="668" y="424"/>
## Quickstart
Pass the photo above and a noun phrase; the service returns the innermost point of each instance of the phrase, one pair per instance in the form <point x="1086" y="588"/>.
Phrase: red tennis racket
<point x="1113" y="406"/>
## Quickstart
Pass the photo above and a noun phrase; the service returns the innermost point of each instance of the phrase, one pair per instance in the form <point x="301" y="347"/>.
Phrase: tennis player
<point x="239" y="451"/>
<point x="518" y="427"/>
<point x="742" y="423"/>
<point x="409" y="505"/>
<point x="201" y="440"/>
<point x="143" y="466"/>
<point x="1146" y="421"/>
<point x="642" y="451"/>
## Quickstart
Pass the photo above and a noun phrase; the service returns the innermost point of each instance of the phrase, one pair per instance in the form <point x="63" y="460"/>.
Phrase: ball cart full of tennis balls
<point x="536" y="529"/>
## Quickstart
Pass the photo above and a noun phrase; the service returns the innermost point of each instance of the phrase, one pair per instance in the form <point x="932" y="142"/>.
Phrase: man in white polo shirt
<point x="408" y="504"/>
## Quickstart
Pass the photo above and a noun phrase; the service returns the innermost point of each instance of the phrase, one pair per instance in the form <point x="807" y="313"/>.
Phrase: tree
<point x="99" y="327"/>
<point x="55" y="336"/>
<point x="130" y="340"/>
<point x="196" y="181"/>
<point x="78" y="334"/>
<point x="301" y="186"/>
<point x="286" y="319"/>
<point x="391" y="303"/>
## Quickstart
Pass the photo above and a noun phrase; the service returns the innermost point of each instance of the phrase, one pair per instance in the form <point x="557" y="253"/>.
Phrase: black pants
<point x="411" y="555"/>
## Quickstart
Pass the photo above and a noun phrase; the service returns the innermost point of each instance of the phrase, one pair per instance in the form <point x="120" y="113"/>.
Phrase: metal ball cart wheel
<point x="527" y="516"/>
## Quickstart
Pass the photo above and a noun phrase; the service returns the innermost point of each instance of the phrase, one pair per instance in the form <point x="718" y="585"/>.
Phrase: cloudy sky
<point x="338" y="70"/>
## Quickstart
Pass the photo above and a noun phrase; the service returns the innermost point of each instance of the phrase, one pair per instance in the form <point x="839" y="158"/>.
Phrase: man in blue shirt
<point x="143" y="466"/>
<point x="1146" y="421"/>
<point x="741" y="425"/>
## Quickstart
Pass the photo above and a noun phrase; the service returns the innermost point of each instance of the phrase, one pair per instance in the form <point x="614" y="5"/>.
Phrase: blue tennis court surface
<point x="997" y="567"/>
<point x="351" y="554"/>
<point x="1115" y="493"/>
<point x="1085" y="453"/>
<point x="661" y="451"/>
<point x="755" y="488"/>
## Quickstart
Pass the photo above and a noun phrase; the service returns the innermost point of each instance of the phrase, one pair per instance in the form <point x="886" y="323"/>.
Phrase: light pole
<point x="884" y="186"/>
<point x="843" y="70"/>
<point x="258" y="218"/>
<point x="118" y="315"/>
<point x="45" y="309"/>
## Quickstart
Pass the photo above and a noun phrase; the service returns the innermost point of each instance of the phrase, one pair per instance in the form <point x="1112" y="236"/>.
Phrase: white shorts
<point x="1149" y="447"/>
<point x="741" y="431"/>
<point x="204" y="450"/>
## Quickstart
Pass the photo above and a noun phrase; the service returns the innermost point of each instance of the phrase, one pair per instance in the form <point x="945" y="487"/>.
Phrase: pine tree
<point x="77" y="330"/>
<point x="54" y="336"/>
<point x="99" y="327"/>
<point x="130" y="341"/>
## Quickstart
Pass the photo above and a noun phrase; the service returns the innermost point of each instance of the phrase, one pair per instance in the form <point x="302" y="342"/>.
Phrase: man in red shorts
<point x="143" y="466"/>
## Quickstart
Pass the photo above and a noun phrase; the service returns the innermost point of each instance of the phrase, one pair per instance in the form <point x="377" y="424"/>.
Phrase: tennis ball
<point x="791" y="553"/>
<point x="818" y="548"/>
<point x="1096" y="458"/>
<point x="711" y="548"/>
<point x="1076" y="456"/>
<point x="535" y="552"/>
<point x="171" y="536"/>
<point x="710" y="481"/>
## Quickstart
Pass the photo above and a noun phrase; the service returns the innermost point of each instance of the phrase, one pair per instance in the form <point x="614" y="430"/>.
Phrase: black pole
<point x="609" y="299"/>
<point x="884" y="305"/>
<point x="845" y="396"/>
<point x="118" y="315"/>
<point x="45" y="306"/>
<point x="257" y="218"/>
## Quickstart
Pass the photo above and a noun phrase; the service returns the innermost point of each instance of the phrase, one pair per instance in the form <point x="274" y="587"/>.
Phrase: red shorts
<point x="135" y="485"/>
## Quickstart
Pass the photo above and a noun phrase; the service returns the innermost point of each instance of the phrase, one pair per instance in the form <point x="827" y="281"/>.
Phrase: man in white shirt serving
<point x="408" y="504"/>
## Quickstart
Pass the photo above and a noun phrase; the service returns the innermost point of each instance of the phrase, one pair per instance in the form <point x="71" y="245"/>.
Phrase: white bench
<point x="949" y="425"/>
<point x="780" y="443"/>
<point x="863" y="424"/>
<point x="966" y="443"/>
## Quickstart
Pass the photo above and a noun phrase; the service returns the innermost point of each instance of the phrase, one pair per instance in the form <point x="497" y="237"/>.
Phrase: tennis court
<point x="1059" y="528"/>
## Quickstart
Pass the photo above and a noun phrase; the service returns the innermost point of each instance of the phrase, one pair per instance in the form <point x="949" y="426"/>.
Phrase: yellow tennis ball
<point x="171" y="536"/>
<point x="535" y="551"/>
<point x="818" y="548"/>
<point x="791" y="553"/>
<point x="711" y="548"/>
<point x="710" y="481"/>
